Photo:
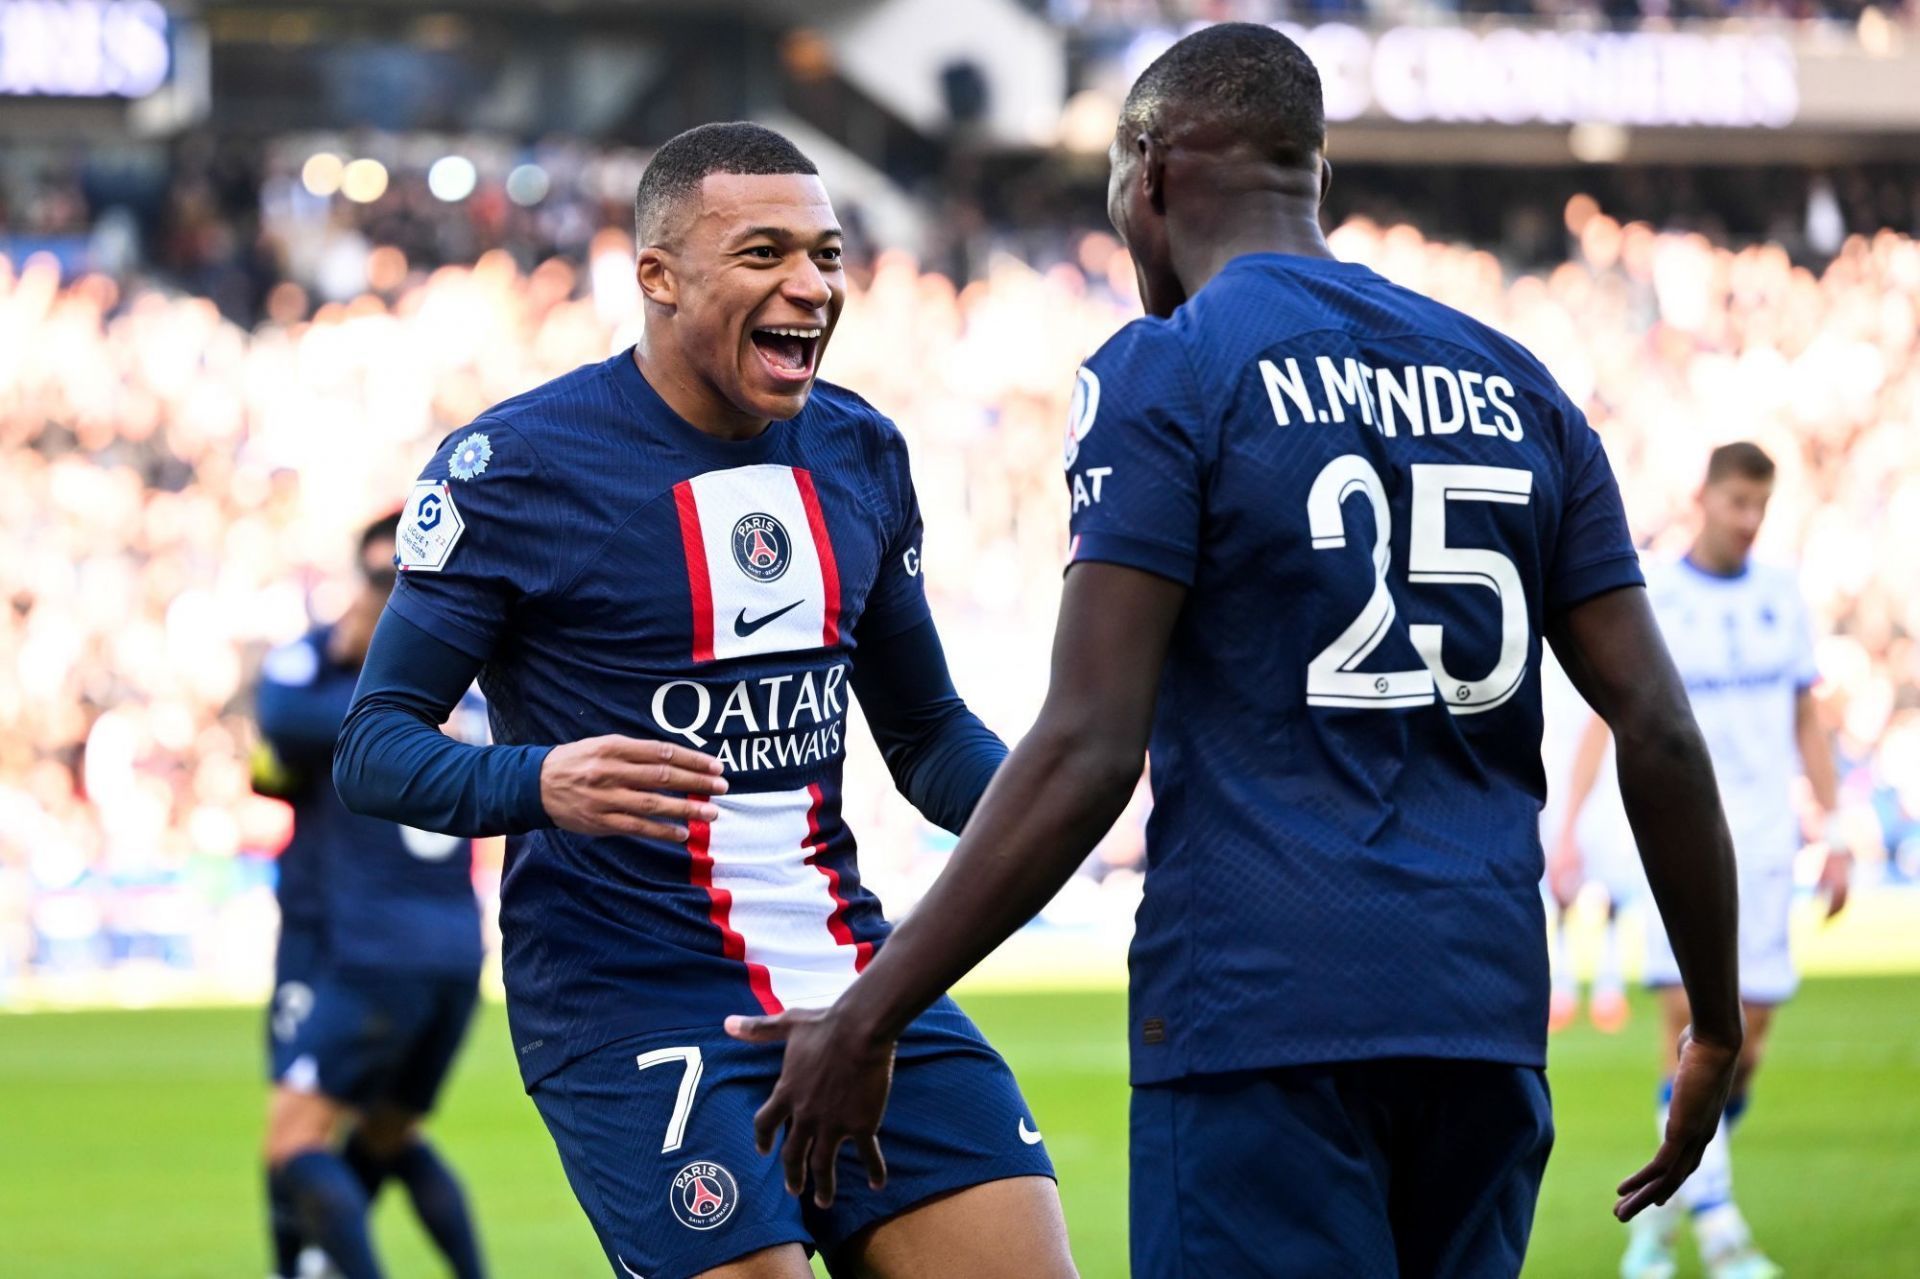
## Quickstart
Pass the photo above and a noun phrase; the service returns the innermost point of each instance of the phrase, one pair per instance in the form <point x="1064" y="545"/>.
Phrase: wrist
<point x="867" y="1024"/>
<point x="1833" y="833"/>
<point x="530" y="804"/>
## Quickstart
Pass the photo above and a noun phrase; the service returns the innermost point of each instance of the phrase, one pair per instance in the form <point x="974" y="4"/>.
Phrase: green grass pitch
<point x="128" y="1140"/>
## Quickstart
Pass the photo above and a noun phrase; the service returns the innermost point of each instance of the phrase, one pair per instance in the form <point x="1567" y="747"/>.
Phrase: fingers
<point x="824" y="1159"/>
<point x="793" y="1158"/>
<point x="1653" y="1184"/>
<point x="652" y="816"/>
<point x="659" y="777"/>
<point x="635" y="750"/>
<point x="759" y="1030"/>
<point x="876" y="1163"/>
<point x="768" y="1120"/>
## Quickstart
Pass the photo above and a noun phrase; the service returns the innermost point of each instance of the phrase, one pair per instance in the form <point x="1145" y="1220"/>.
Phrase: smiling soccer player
<point x="669" y="570"/>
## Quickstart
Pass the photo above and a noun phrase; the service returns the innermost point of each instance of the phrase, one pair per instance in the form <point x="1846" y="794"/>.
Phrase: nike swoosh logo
<point x="743" y="628"/>
<point x="1027" y="1134"/>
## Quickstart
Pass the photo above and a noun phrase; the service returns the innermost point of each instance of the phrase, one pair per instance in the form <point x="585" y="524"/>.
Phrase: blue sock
<point x="369" y="1168"/>
<point x="283" y="1224"/>
<point x="441" y="1206"/>
<point x="333" y="1210"/>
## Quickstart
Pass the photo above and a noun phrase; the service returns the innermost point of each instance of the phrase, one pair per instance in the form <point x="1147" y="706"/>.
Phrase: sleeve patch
<point x="430" y="526"/>
<point x="1080" y="414"/>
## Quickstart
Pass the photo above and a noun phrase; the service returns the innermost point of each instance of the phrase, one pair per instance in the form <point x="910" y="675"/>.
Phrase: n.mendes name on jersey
<point x="621" y="572"/>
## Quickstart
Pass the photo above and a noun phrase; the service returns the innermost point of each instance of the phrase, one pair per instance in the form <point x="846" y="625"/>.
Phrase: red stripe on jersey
<point x="836" y="922"/>
<point x="732" y="944"/>
<point x="699" y="585"/>
<point x="823" y="543"/>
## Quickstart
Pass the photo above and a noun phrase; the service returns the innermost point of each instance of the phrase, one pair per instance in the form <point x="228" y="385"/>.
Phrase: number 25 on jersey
<point x="1332" y="677"/>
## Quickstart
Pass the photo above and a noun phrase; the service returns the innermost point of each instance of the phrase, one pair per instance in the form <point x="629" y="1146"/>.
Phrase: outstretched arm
<point x="1613" y="651"/>
<point x="1564" y="869"/>
<point x="1059" y="791"/>
<point x="1823" y="777"/>
<point x="940" y="754"/>
<point x="394" y="762"/>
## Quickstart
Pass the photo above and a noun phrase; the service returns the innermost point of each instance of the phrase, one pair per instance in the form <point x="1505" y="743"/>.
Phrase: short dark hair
<point x="684" y="161"/>
<point x="1748" y="461"/>
<point x="1251" y="78"/>
<point x="384" y="529"/>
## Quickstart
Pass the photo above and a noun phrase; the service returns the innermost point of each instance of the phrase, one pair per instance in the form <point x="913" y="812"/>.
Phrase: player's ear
<point x="656" y="278"/>
<point x="1326" y="180"/>
<point x="1153" y="170"/>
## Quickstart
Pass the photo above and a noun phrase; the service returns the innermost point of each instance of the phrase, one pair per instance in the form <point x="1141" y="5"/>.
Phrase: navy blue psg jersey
<point x="1376" y="503"/>
<point x="380" y="897"/>
<point x="621" y="572"/>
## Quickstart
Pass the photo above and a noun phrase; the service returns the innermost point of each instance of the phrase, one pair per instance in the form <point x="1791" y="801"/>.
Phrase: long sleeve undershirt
<point x="392" y="761"/>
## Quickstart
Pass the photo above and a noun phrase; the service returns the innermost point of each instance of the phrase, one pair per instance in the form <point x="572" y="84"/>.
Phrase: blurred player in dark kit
<point x="376" y="973"/>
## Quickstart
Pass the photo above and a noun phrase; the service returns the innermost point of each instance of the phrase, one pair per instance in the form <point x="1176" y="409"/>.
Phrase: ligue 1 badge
<point x="1080" y="413"/>
<point x="430" y="526"/>
<point x="703" y="1196"/>
<point x="470" y="456"/>
<point x="761" y="547"/>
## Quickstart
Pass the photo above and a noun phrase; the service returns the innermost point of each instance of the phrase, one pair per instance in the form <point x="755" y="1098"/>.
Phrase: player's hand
<point x="627" y="786"/>
<point x="1836" y="879"/>
<point x="1565" y="873"/>
<point x="1700" y="1087"/>
<point x="833" y="1089"/>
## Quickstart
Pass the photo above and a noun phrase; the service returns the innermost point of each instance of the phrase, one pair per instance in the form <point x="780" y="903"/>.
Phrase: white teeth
<point x="794" y="333"/>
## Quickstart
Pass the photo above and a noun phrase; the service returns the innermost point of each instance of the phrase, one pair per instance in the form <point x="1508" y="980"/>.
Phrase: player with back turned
<point x="1320" y="527"/>
<point x="671" y="569"/>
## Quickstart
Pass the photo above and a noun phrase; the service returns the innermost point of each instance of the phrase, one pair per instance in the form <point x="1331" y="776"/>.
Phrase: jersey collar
<point x="659" y="417"/>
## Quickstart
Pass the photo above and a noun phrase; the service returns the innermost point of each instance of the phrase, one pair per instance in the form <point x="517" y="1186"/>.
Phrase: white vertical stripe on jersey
<point x="782" y="907"/>
<point x="724" y="498"/>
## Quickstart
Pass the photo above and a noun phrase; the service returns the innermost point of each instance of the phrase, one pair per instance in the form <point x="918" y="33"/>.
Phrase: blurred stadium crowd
<point x="1139" y="12"/>
<point x="179" y="490"/>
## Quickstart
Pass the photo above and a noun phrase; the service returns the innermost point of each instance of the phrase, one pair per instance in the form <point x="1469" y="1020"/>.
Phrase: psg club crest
<point x="703" y="1195"/>
<point x="761" y="547"/>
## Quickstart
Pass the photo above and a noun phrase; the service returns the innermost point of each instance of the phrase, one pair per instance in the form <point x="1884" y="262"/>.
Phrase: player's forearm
<point x="301" y="724"/>
<point x="1673" y="805"/>
<point x="1586" y="766"/>
<point x="1046" y="809"/>
<point x="394" y="762"/>
<point x="1816" y="755"/>
<point x="940" y="754"/>
<point x="393" y="765"/>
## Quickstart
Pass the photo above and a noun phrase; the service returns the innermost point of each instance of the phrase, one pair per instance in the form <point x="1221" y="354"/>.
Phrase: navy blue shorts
<point x="298" y="960"/>
<point x="370" y="1039"/>
<point x="1409" y="1167"/>
<point x="656" y="1136"/>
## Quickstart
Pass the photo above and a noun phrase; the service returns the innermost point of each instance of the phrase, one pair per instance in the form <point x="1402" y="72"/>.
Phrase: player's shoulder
<point x="834" y="408"/>
<point x="1775" y="578"/>
<point x="298" y="662"/>
<point x="1145" y="334"/>
<point x="560" y="414"/>
<point x="1149" y="359"/>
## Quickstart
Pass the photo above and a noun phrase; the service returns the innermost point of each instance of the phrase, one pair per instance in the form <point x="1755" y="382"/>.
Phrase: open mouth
<point x="788" y="353"/>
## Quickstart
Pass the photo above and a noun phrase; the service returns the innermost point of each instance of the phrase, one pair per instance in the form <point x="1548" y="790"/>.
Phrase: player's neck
<point x="1272" y="223"/>
<point x="1703" y="557"/>
<point x="693" y="399"/>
